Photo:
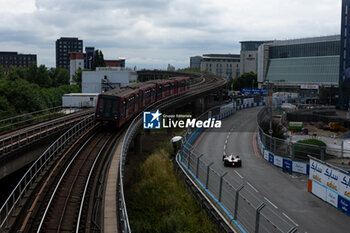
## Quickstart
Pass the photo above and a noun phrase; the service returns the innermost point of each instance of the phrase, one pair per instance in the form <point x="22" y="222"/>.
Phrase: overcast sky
<point x="154" y="33"/>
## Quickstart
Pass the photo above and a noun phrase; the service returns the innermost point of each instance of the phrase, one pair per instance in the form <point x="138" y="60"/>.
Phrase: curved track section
<point x="65" y="200"/>
<point x="286" y="194"/>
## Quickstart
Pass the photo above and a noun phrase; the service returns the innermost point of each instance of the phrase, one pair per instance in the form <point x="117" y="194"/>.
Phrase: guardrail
<point x="38" y="167"/>
<point x="129" y="135"/>
<point x="239" y="202"/>
<point x="25" y="137"/>
<point x="23" y="120"/>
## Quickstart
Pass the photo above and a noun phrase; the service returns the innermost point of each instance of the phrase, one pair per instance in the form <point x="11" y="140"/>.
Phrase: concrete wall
<point x="79" y="100"/>
<point x="74" y="66"/>
<point x="103" y="80"/>
<point x="249" y="61"/>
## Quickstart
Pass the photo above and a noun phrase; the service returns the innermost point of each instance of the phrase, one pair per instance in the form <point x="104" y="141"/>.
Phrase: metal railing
<point x="23" y="120"/>
<point x="297" y="151"/>
<point x="239" y="201"/>
<point x="25" y="137"/>
<point x="25" y="184"/>
<point x="129" y="135"/>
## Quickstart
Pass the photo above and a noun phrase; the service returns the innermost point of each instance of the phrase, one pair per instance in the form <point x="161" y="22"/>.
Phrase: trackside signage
<point x="330" y="184"/>
<point x="157" y="120"/>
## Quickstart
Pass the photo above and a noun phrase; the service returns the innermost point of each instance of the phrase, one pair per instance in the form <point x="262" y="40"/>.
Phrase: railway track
<point x="62" y="198"/>
<point x="61" y="202"/>
<point x="17" y="139"/>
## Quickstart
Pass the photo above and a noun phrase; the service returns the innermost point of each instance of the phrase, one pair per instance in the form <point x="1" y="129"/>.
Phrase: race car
<point x="232" y="160"/>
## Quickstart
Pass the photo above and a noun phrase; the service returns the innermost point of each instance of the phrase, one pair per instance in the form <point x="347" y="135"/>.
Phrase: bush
<point x="312" y="147"/>
<point x="158" y="201"/>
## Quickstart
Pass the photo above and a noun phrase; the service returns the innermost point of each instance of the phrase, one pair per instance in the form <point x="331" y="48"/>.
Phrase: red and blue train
<point x="119" y="105"/>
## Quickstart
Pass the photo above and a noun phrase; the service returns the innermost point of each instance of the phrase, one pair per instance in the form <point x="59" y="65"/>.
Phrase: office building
<point x="89" y="57"/>
<point x="225" y="65"/>
<point x="249" y="56"/>
<point x="120" y="62"/>
<point x="65" y="46"/>
<point x="8" y="59"/>
<point x="300" y="65"/>
<point x="344" y="62"/>
<point x="195" y="62"/>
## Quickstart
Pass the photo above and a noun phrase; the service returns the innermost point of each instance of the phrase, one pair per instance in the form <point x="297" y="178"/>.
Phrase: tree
<point x="246" y="80"/>
<point x="40" y="75"/>
<point x="98" y="59"/>
<point x="77" y="77"/>
<point x="43" y="78"/>
<point x="59" y="76"/>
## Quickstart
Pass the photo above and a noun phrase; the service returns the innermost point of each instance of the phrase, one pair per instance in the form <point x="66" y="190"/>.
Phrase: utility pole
<point x="269" y="85"/>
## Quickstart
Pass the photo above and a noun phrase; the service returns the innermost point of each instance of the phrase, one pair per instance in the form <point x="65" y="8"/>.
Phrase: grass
<point x="158" y="201"/>
<point x="302" y="148"/>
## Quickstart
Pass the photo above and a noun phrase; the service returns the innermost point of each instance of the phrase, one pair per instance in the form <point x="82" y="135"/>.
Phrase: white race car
<point x="232" y="161"/>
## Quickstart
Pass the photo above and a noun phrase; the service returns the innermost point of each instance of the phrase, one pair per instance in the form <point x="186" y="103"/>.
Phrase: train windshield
<point x="108" y="107"/>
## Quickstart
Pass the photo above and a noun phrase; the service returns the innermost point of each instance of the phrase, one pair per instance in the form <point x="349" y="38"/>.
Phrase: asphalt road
<point x="285" y="193"/>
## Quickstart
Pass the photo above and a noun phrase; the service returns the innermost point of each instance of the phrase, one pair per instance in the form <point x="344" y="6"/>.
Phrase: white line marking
<point x="226" y="141"/>
<point x="290" y="219"/>
<point x="224" y="152"/>
<point x="228" y="135"/>
<point x="225" y="147"/>
<point x="271" y="203"/>
<point x="252" y="187"/>
<point x="239" y="175"/>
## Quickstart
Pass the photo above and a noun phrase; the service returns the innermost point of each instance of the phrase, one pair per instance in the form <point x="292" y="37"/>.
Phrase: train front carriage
<point x="107" y="108"/>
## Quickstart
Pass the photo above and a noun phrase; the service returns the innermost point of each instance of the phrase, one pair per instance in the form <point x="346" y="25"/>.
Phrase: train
<point x="120" y="105"/>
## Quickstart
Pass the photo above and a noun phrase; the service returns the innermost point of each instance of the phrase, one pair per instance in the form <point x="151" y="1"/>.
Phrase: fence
<point x="33" y="134"/>
<point x="293" y="156"/>
<point x="32" y="117"/>
<point x="25" y="184"/>
<point x="242" y="205"/>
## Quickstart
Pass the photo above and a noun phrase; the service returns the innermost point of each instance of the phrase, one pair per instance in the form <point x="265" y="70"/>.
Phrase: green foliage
<point x="38" y="75"/>
<point x="59" y="76"/>
<point x="188" y="69"/>
<point x="312" y="147"/>
<point x="77" y="77"/>
<point x="158" y="201"/>
<point x="314" y="142"/>
<point x="246" y="80"/>
<point x="99" y="60"/>
<point x="31" y="89"/>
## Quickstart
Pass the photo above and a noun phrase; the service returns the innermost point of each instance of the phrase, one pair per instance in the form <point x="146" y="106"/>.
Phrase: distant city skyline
<point x="156" y="33"/>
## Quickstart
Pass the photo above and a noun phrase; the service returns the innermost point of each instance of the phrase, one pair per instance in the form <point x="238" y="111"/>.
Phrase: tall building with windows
<point x="249" y="56"/>
<point x="89" y="57"/>
<point x="225" y="65"/>
<point x="344" y="62"/>
<point x="8" y="59"/>
<point x="64" y="46"/>
<point x="195" y="62"/>
<point x="300" y="65"/>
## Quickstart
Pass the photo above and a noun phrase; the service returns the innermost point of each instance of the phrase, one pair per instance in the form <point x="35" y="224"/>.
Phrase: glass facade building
<point x="327" y="48"/>
<point x="344" y="61"/>
<point x="304" y="61"/>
